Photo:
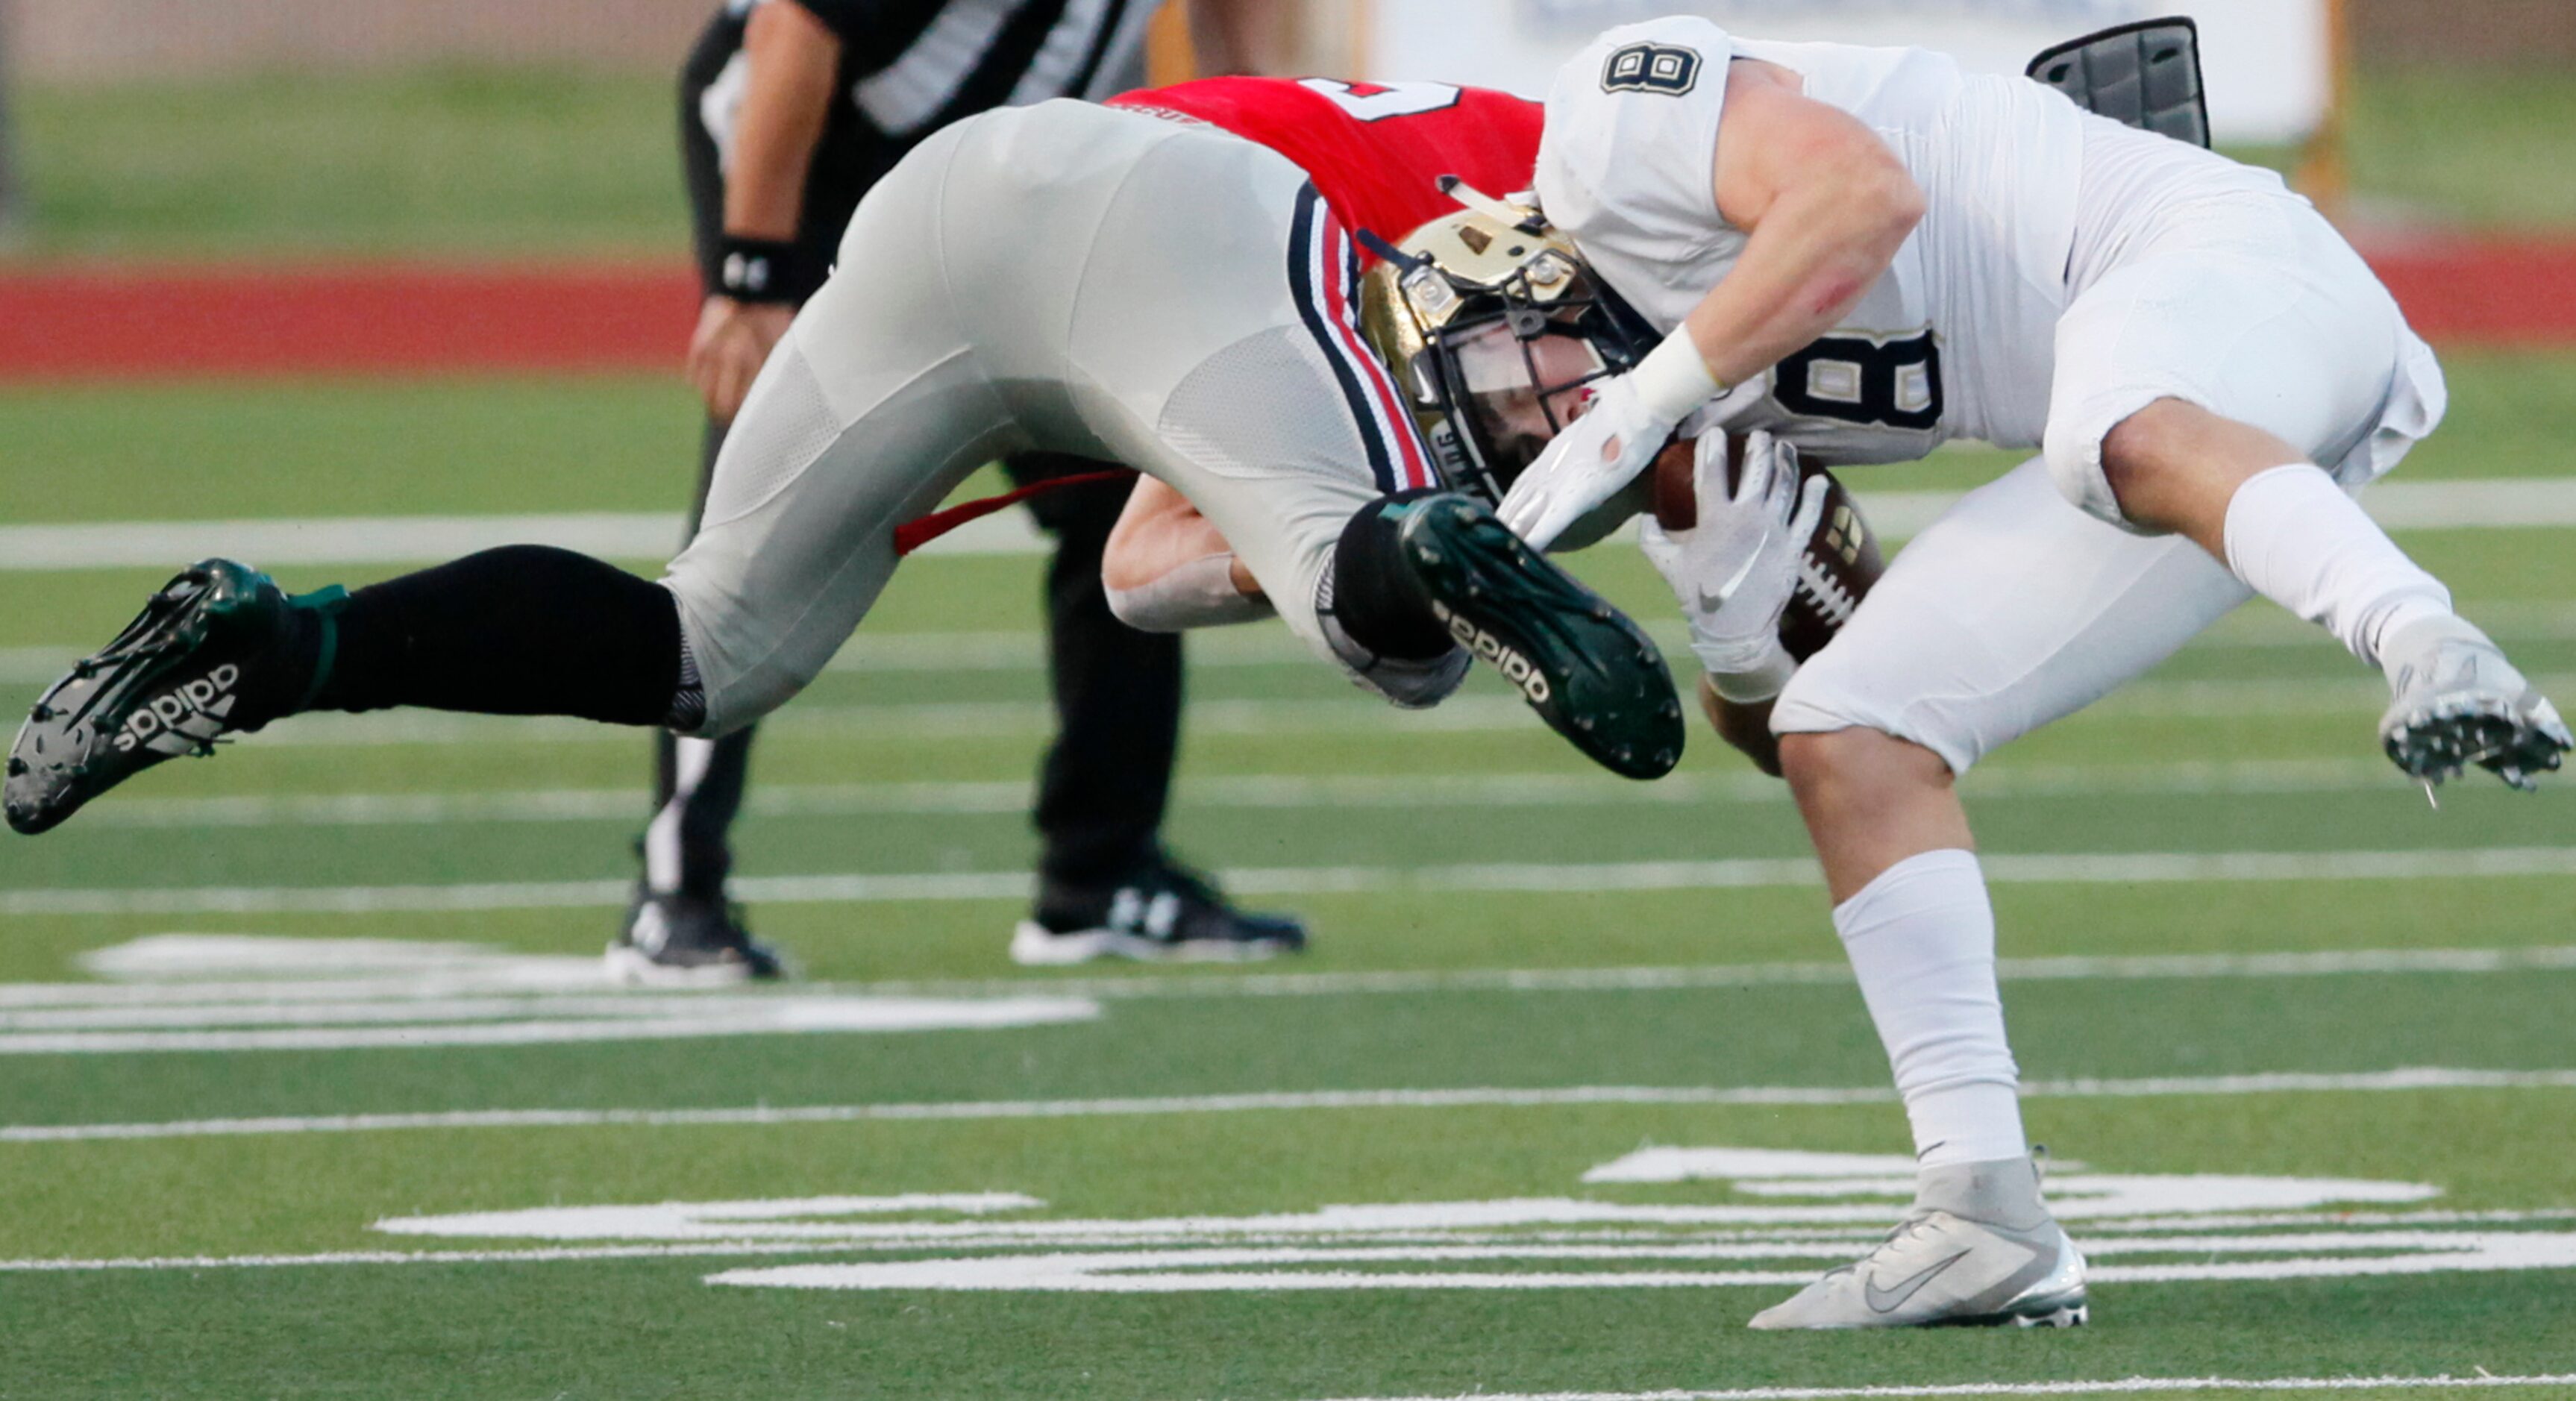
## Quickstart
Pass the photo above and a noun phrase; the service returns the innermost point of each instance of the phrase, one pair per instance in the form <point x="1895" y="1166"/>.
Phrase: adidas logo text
<point x="206" y="700"/>
<point x="1490" y="650"/>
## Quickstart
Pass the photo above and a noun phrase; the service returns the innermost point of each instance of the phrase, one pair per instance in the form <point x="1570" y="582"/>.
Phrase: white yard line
<point x="2356" y="697"/>
<point x="403" y="539"/>
<point x="2416" y="1079"/>
<point x="901" y="721"/>
<point x="875" y="650"/>
<point x="2454" y="505"/>
<point x="2126" y="1386"/>
<point x="533" y="976"/>
<point x="2082" y="968"/>
<point x="542" y="1255"/>
<point x="2122" y="868"/>
<point x="1264" y="792"/>
<point x="428" y="1023"/>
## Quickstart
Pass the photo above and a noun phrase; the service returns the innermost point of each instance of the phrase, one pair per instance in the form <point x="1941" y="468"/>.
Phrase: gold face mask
<point x="1497" y="330"/>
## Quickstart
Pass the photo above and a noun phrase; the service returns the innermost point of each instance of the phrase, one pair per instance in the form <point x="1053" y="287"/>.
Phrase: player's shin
<point x="1921" y="938"/>
<point x="2299" y="539"/>
<point x="521" y="630"/>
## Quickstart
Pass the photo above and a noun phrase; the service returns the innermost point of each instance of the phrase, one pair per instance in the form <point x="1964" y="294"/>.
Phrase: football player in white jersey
<point x="1867" y="252"/>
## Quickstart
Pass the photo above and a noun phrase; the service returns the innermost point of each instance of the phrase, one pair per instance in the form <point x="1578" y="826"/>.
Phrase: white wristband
<point x="1752" y="682"/>
<point x="1673" y="379"/>
<point x="1198" y="594"/>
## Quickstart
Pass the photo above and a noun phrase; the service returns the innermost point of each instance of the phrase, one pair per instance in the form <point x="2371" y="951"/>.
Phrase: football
<point x="1841" y="562"/>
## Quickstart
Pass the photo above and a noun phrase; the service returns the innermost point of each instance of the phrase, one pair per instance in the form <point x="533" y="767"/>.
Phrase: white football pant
<point x="1065" y="277"/>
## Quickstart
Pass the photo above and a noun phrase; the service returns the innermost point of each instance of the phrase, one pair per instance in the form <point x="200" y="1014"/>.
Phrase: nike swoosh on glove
<point x="1736" y="568"/>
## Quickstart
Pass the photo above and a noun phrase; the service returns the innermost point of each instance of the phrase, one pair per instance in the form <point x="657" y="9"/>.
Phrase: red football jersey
<point x="1372" y="149"/>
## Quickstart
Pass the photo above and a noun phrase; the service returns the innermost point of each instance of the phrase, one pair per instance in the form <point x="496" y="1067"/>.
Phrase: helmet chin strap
<point x="1368" y="239"/>
<point x="1526" y="220"/>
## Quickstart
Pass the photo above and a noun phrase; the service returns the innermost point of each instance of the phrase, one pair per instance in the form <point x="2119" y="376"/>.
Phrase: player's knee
<point x="1858" y="768"/>
<point x="2143" y="452"/>
<point x="2171" y="465"/>
<point x="739" y="680"/>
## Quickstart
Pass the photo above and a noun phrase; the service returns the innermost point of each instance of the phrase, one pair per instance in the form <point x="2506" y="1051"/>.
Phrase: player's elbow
<point x="1201" y="593"/>
<point x="1882" y="196"/>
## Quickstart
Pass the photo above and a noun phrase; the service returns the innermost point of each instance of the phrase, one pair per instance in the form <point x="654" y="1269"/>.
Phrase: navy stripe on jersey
<point x="1306" y="237"/>
<point x="1395" y="418"/>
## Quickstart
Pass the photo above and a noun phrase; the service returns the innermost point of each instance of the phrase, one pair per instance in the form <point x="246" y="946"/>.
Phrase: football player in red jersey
<point x="1168" y="283"/>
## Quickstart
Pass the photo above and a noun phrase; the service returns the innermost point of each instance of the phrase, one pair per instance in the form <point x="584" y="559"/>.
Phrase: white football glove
<point x="1588" y="463"/>
<point x="1734" y="570"/>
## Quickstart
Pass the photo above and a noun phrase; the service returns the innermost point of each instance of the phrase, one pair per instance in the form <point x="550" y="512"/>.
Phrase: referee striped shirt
<point x="915" y="67"/>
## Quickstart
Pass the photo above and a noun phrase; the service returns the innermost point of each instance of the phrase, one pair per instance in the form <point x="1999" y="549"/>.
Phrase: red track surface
<point x="2484" y="292"/>
<point x="406" y="319"/>
<point x="388" y="319"/>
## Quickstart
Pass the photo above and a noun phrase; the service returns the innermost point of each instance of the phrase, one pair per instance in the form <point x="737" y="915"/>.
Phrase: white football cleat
<point x="2459" y="702"/>
<point x="1978" y="1248"/>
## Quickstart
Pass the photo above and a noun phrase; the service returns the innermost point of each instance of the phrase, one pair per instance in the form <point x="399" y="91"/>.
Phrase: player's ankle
<point x="303" y="661"/>
<point x="1976" y="1122"/>
<point x="2414" y="625"/>
<point x="2000" y="1191"/>
<point x="1376" y="599"/>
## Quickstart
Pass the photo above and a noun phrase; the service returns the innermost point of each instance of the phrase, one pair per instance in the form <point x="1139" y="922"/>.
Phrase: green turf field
<point x="312" y="1090"/>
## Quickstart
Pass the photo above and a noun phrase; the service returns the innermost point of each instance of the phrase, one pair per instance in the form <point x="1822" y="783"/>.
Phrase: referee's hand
<point x="732" y="340"/>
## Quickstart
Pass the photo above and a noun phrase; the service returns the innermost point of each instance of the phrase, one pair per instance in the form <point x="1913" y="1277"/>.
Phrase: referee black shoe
<point x="1162" y="914"/>
<point x="1588" y="670"/>
<point x="211" y="654"/>
<point x="688" y="941"/>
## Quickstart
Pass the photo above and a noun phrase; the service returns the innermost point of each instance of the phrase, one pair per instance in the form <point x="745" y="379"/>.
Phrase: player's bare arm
<point x="1168" y="568"/>
<point x="1825" y="206"/>
<point x="1746" y="727"/>
<point x="792" y="59"/>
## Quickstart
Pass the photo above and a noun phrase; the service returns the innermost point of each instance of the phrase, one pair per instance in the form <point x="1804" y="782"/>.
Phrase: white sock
<point x="2296" y="538"/>
<point x="1922" y="940"/>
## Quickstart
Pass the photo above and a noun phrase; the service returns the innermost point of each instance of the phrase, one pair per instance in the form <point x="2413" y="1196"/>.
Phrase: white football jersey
<point x="1955" y="341"/>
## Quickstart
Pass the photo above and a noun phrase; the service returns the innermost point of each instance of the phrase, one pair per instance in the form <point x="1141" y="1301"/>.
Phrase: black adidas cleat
<point x="1588" y="670"/>
<point x="172" y="683"/>
<point x="1164" y="914"/>
<point x="687" y="941"/>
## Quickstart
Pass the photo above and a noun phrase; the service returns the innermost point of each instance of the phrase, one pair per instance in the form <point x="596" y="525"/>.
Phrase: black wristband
<point x="767" y="270"/>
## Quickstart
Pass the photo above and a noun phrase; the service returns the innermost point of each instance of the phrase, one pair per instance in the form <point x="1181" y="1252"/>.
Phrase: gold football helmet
<point x="1495" y="328"/>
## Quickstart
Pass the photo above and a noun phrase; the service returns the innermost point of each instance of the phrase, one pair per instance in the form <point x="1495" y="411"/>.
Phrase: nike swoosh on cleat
<point x="1890" y="1300"/>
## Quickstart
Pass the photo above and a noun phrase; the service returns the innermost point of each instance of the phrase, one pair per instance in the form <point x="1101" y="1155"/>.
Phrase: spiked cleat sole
<point x="167" y="686"/>
<point x="2441" y="743"/>
<point x="1588" y="670"/>
<point x="2061" y="1311"/>
<point x="2459" y="703"/>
